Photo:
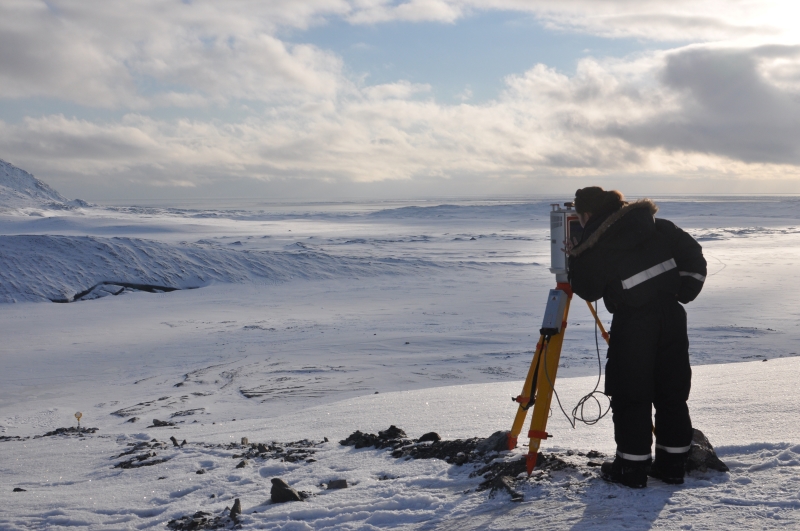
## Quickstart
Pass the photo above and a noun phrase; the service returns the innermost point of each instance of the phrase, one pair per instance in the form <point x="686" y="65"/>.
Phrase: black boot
<point x="632" y="474"/>
<point x="669" y="468"/>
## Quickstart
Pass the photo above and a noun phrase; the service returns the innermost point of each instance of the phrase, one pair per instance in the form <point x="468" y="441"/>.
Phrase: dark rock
<point x="183" y="443"/>
<point x="146" y="459"/>
<point x="392" y="432"/>
<point x="236" y="510"/>
<point x="458" y="451"/>
<point x="501" y="475"/>
<point x="702" y="455"/>
<point x="391" y="437"/>
<point x="281" y="492"/>
<point x="204" y="520"/>
<point x="132" y="419"/>
<point x="507" y="483"/>
<point x="160" y="423"/>
<point x="17" y="489"/>
<point x="70" y="431"/>
<point x="201" y="471"/>
<point x="188" y="412"/>
<point x="431" y="436"/>
<point x="174" y="441"/>
<point x="337" y="484"/>
<point x="6" y="438"/>
<point x="496" y="442"/>
<point x="242" y="463"/>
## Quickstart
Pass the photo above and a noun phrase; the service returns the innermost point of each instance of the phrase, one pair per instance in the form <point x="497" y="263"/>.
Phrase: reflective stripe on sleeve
<point x="674" y="449"/>
<point x="633" y="457"/>
<point x="698" y="276"/>
<point x="647" y="274"/>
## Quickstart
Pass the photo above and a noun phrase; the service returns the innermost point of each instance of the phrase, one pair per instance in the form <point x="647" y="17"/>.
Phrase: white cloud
<point x="673" y="20"/>
<point x="143" y="53"/>
<point x="609" y="118"/>
<point x="378" y="11"/>
<point x="726" y="108"/>
<point x="400" y="90"/>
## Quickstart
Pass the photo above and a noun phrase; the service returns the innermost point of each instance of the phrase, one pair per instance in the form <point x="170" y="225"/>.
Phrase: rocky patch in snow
<point x="204" y="520"/>
<point x="68" y="431"/>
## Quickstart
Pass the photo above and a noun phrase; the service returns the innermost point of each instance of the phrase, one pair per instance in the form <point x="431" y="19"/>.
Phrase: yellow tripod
<point x="538" y="388"/>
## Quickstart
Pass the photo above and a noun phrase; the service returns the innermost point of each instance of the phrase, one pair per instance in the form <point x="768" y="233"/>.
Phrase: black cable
<point x="591" y="396"/>
<point x="535" y="379"/>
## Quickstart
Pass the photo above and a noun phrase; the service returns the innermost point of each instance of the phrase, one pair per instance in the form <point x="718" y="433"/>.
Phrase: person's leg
<point x="629" y="383"/>
<point x="673" y="378"/>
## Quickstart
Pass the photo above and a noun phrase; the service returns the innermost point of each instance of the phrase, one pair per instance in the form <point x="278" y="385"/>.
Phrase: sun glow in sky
<point x="323" y="99"/>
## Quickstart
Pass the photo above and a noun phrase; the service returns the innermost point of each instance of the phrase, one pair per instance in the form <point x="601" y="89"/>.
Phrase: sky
<point x="386" y="99"/>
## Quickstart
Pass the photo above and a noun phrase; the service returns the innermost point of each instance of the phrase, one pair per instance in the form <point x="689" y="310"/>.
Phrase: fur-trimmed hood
<point x="613" y="218"/>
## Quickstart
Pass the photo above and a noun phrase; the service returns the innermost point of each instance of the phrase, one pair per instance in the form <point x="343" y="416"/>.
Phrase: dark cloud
<point x="727" y="105"/>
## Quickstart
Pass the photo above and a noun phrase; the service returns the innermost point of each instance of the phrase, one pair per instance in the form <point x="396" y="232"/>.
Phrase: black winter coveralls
<point x="643" y="268"/>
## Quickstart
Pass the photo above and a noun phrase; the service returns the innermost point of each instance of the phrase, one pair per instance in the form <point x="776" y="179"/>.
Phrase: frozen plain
<point x="310" y="310"/>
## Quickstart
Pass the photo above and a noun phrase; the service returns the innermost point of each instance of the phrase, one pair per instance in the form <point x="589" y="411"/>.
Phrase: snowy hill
<point x="19" y="189"/>
<point x="57" y="268"/>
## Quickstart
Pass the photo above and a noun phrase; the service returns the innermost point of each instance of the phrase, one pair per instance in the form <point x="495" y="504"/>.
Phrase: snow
<point x="22" y="193"/>
<point x="314" y="321"/>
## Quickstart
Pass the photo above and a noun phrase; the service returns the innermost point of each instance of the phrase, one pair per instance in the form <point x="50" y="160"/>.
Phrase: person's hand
<point x="569" y="245"/>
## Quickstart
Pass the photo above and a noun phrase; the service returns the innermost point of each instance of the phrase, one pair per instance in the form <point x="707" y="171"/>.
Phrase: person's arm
<point x="586" y="276"/>
<point x="689" y="257"/>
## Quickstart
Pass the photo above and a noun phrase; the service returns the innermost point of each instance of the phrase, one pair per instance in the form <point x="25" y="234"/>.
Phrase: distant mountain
<point x="20" y="189"/>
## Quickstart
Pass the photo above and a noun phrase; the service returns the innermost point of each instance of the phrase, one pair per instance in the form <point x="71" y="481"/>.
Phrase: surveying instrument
<point x="538" y="389"/>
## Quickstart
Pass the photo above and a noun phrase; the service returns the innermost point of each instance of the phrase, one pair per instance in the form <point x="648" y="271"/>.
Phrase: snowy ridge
<point x="449" y="211"/>
<point x="19" y="189"/>
<point x="56" y="268"/>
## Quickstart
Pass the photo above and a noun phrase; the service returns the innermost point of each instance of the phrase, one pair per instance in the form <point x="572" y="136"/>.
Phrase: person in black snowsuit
<point x="643" y="268"/>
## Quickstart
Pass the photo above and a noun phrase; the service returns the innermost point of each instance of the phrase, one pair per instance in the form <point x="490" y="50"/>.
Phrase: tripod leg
<point x="524" y="398"/>
<point x="544" y="393"/>
<point x="597" y="320"/>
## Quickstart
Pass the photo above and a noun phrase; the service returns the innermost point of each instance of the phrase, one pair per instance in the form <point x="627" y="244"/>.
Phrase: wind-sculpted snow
<point x="56" y="268"/>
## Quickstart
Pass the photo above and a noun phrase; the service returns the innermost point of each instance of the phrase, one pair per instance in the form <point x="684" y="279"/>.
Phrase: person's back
<point x="643" y="268"/>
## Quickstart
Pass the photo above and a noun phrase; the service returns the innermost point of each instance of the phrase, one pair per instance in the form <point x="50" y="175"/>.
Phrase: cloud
<point x="676" y="20"/>
<point x="378" y="11"/>
<point x="695" y="111"/>
<point x="148" y="53"/>
<point x="145" y="53"/>
<point x="729" y="105"/>
<point x="724" y="109"/>
<point x="400" y="90"/>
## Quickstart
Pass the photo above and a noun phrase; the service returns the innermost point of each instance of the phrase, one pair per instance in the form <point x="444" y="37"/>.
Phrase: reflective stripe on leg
<point x="674" y="449"/>
<point x="633" y="457"/>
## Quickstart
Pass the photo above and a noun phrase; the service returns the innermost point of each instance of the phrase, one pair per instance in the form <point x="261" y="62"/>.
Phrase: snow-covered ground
<point x="314" y="321"/>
